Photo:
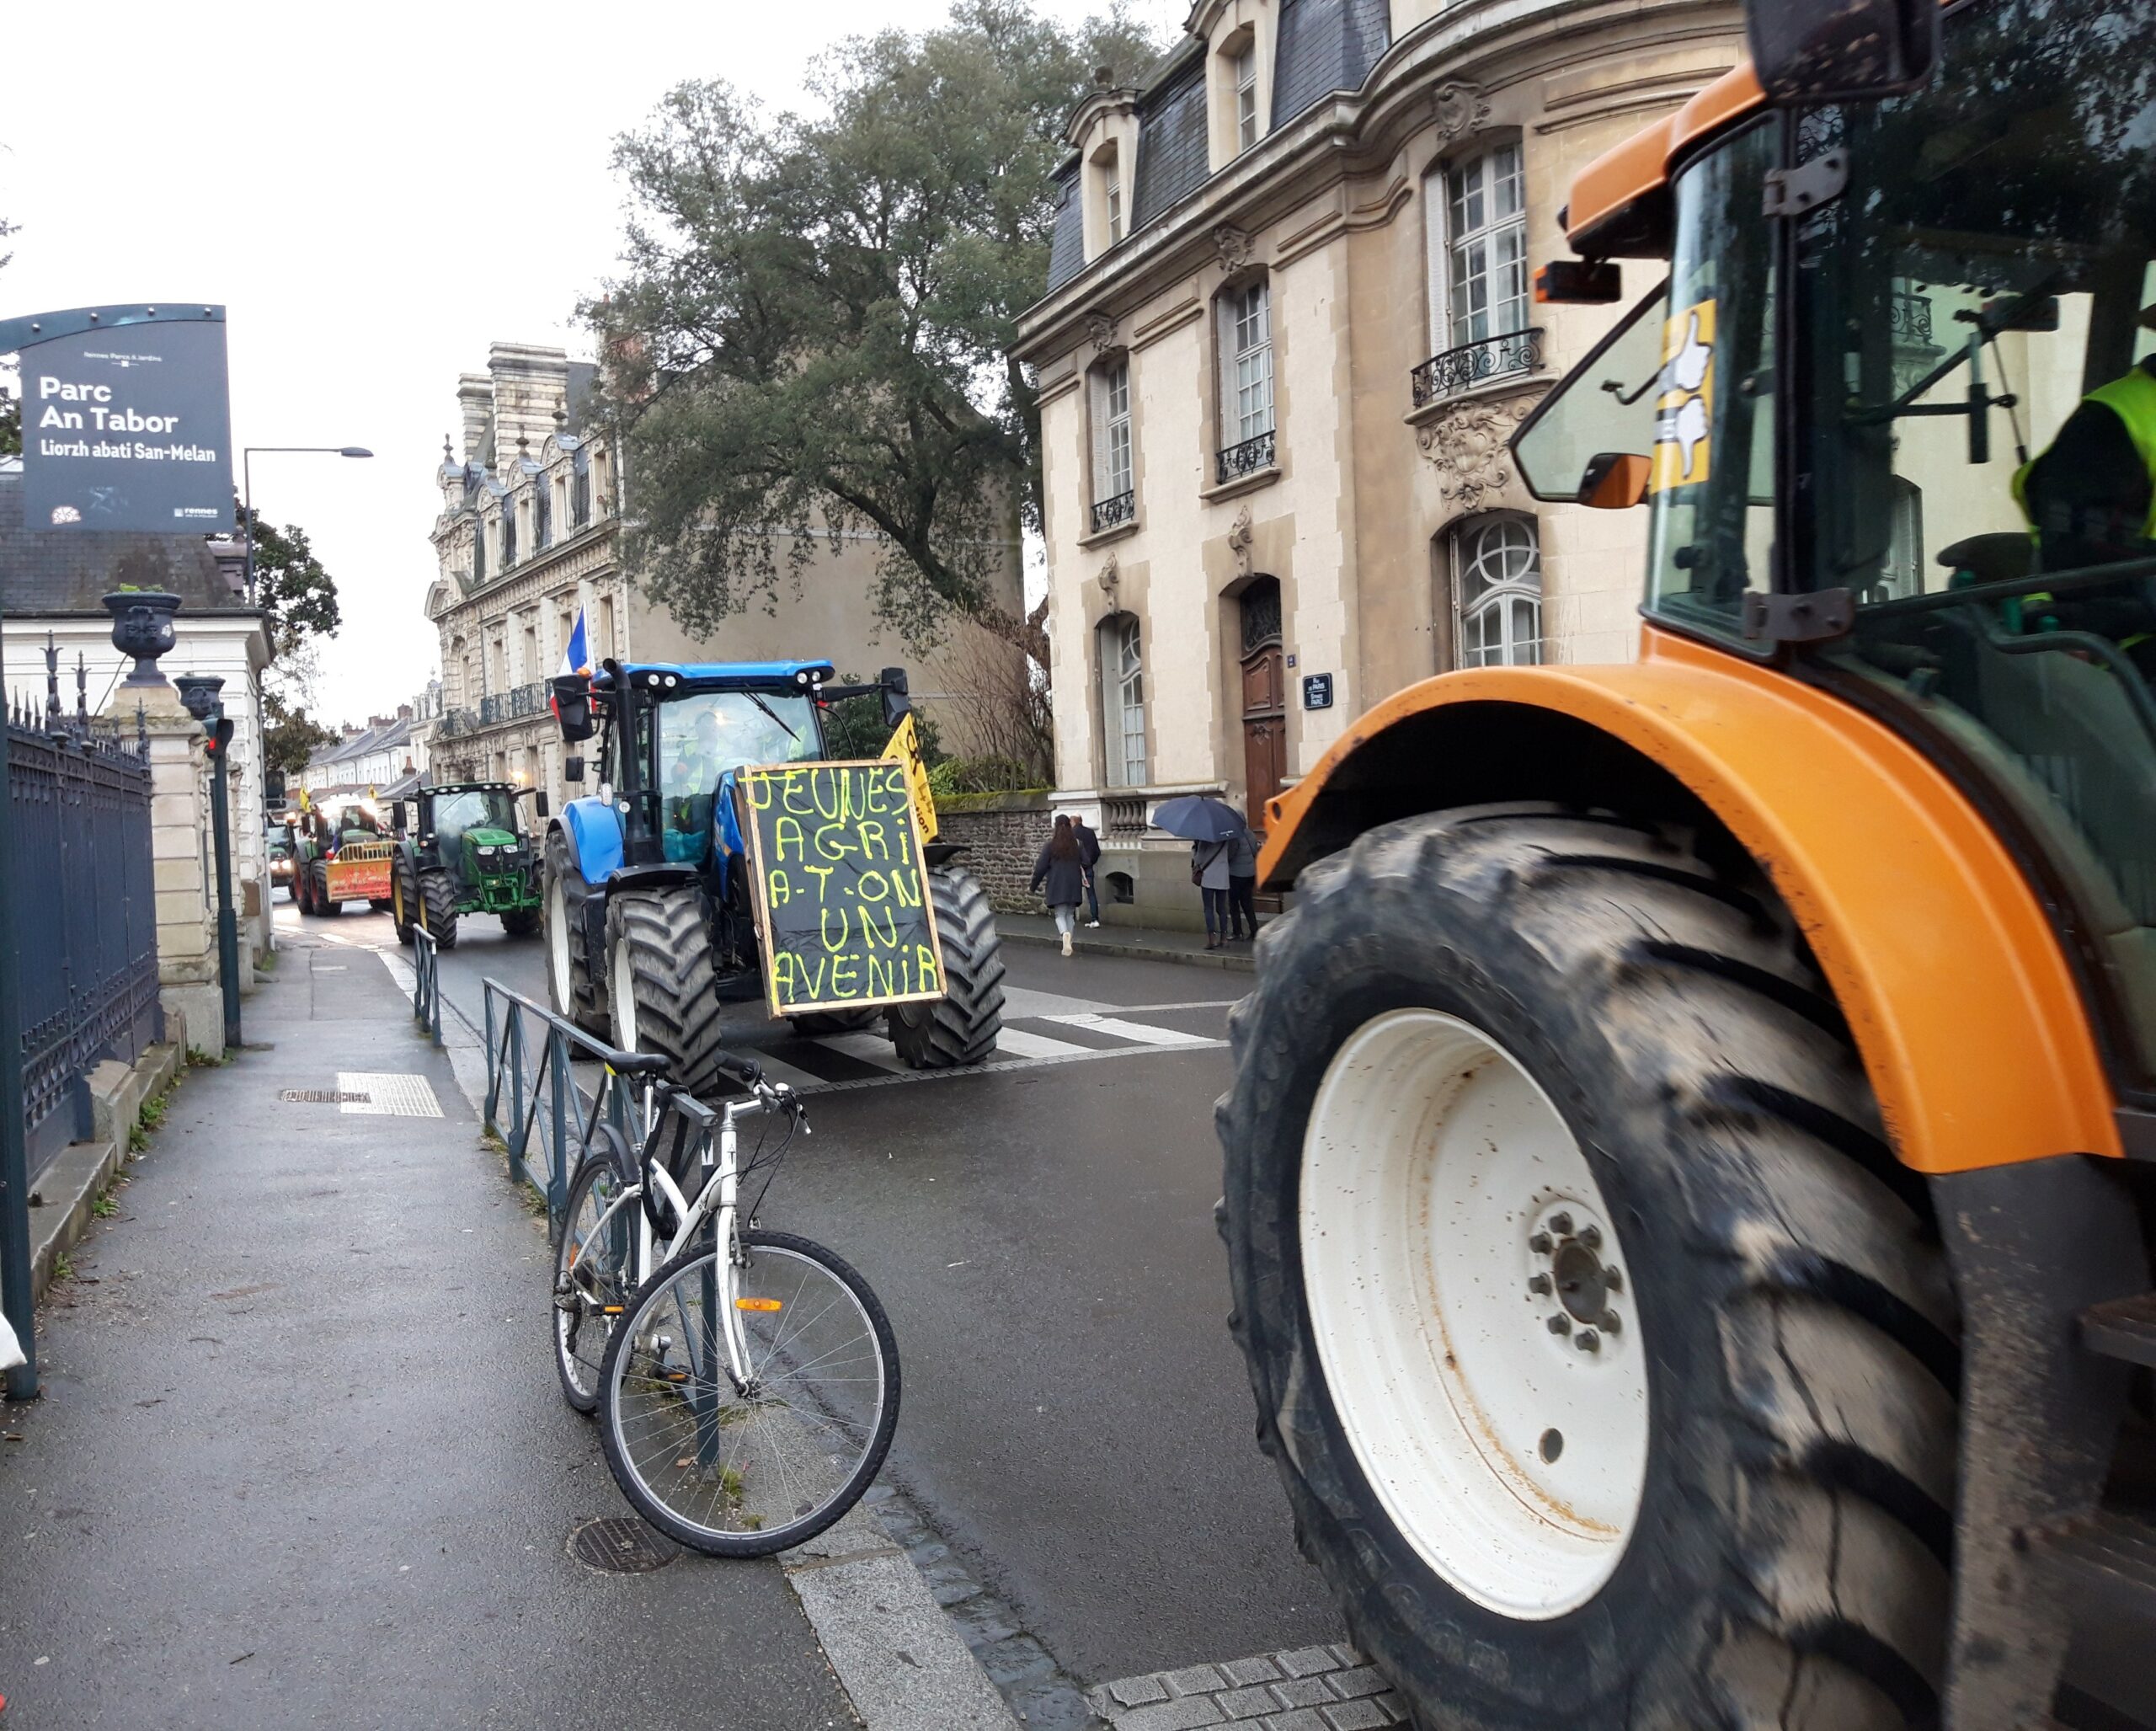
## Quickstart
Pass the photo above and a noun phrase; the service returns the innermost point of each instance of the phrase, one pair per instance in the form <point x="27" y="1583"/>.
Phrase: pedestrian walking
<point x="1062" y="867"/>
<point x="1089" y="850"/>
<point x="1209" y="870"/>
<point x="1242" y="885"/>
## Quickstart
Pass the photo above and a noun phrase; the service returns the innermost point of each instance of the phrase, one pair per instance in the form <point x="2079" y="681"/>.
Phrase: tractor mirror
<point x="896" y="703"/>
<point x="541" y="805"/>
<point x="572" y="706"/>
<point x="1807" y="51"/>
<point x="571" y="773"/>
<point x="1613" y="481"/>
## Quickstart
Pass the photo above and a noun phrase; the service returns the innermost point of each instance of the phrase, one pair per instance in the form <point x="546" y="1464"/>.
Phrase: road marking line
<point x="1035" y="1045"/>
<point x="778" y="1070"/>
<point x="869" y="1048"/>
<point x="1145" y="1033"/>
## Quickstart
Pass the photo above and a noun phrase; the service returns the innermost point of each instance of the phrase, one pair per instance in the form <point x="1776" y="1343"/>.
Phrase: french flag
<point x="576" y="657"/>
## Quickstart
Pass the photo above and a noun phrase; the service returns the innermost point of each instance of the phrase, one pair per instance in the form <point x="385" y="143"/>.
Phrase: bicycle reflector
<point x="758" y="1304"/>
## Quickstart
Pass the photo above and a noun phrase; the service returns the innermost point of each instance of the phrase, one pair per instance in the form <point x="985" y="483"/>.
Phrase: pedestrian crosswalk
<point x="1059" y="1031"/>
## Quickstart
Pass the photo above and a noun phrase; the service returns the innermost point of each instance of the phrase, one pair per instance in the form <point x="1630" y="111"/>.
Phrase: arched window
<point x="1123" y="702"/>
<point x="1496" y="591"/>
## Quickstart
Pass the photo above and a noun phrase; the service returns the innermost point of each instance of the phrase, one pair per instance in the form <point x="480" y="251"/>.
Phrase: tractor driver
<point x="2090" y="499"/>
<point x="693" y="777"/>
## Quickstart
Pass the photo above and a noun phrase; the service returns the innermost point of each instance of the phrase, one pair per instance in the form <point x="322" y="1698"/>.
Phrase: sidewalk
<point x="1145" y="942"/>
<point x="302" y="1458"/>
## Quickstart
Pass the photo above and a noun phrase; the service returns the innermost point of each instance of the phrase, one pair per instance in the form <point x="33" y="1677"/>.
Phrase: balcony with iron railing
<point x="1470" y="364"/>
<point x="1114" y="513"/>
<point x="518" y="703"/>
<point x="1252" y="457"/>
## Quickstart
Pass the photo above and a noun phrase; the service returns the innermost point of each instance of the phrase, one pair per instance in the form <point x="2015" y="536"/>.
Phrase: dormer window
<point x="1115" y="203"/>
<point x="1105" y="217"/>
<point x="1246" y="69"/>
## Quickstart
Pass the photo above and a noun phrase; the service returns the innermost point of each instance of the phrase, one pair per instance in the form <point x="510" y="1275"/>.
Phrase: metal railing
<point x="426" y="983"/>
<point x="84" y="896"/>
<point x="513" y="705"/>
<point x="1908" y="317"/>
<point x="532" y="1088"/>
<point x="1247" y="458"/>
<point x="1453" y="371"/>
<point x="1111" y="512"/>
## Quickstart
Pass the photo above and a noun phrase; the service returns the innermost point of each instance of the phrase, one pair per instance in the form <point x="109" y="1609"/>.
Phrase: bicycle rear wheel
<point x="745" y="1471"/>
<point x="594" y="1273"/>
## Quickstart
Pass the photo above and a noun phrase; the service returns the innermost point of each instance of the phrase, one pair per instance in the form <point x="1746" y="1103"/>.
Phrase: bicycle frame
<point x="717" y="1197"/>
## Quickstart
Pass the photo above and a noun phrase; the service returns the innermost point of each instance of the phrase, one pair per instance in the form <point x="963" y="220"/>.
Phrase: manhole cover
<point x="322" y="1096"/>
<point x="621" y="1544"/>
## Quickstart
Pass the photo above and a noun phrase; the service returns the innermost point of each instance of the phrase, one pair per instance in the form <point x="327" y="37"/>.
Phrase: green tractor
<point x="462" y="849"/>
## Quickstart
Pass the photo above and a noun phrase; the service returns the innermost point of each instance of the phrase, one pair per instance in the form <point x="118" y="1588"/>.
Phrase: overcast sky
<point x="375" y="193"/>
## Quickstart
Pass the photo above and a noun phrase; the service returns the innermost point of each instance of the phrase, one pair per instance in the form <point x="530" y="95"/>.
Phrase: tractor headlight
<point x="487" y="849"/>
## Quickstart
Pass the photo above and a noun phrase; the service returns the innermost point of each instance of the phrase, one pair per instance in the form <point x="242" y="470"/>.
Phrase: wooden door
<point x="1265" y="729"/>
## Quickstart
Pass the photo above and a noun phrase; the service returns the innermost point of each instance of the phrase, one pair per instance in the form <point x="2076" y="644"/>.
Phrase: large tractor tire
<point x="1606" y="1354"/>
<point x="662" y="991"/>
<point x="317" y="883"/>
<point x="570" y="987"/>
<point x="403" y="899"/>
<point x="382" y="904"/>
<point x="438" y="908"/>
<point x="301" y="871"/>
<point x="520" y="921"/>
<point x="960" y="1027"/>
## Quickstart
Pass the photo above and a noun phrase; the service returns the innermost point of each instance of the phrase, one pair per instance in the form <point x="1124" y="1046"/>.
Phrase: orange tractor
<point x="1688" y="1157"/>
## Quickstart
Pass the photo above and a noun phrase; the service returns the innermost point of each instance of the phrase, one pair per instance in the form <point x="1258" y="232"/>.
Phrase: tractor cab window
<point x="1977" y="315"/>
<point x="1711" y="475"/>
<point x="474" y="809"/>
<point x="703" y="735"/>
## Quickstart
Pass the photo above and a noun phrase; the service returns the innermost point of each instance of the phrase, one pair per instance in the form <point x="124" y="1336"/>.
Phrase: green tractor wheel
<point x="438" y="908"/>
<point x="404" y="899"/>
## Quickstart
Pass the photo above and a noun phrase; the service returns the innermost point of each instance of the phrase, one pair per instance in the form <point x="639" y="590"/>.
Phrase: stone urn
<point x="142" y="627"/>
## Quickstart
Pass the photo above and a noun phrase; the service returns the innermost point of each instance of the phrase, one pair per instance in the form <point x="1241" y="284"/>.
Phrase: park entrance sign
<point x="126" y="421"/>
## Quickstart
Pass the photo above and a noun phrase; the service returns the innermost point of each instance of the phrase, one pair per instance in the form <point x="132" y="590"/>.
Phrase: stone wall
<point x="1002" y="833"/>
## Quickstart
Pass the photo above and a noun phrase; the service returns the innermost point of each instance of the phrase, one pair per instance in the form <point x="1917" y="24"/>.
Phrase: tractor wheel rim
<point x="1472" y="1310"/>
<point x="621" y="998"/>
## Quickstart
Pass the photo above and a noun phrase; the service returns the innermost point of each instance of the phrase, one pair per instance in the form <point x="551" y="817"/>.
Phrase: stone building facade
<point x="528" y="535"/>
<point x="1287" y="331"/>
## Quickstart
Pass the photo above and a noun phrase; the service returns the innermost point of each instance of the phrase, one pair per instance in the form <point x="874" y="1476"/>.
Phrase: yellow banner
<point x="906" y="748"/>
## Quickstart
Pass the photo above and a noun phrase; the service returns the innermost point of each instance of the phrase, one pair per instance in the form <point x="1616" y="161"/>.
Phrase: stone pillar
<point x="189" y="985"/>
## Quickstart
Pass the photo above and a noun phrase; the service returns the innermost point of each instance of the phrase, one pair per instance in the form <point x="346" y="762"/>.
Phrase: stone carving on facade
<point x="1109" y="577"/>
<point x="1460" y="109"/>
<point x="1233" y="247"/>
<point x="1467" y="445"/>
<point x="1239" y="540"/>
<point x="1101" y="329"/>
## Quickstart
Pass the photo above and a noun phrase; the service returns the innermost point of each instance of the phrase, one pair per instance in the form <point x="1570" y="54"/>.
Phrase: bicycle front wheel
<point x="750" y="1466"/>
<point x="593" y="1270"/>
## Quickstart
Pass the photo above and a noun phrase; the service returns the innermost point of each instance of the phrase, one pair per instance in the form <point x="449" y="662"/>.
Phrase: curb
<point x="61" y="1196"/>
<point x="1228" y="961"/>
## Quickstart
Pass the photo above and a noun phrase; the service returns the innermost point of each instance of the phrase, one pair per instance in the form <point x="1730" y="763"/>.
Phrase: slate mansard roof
<point x="1323" y="46"/>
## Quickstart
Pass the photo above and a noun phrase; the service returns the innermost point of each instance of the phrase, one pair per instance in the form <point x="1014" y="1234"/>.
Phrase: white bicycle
<point x="746" y="1381"/>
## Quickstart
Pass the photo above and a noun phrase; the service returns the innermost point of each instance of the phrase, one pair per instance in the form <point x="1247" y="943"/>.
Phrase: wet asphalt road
<point x="1076" y="1424"/>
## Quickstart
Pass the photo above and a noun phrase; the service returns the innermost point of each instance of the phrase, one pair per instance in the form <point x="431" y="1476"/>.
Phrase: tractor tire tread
<point x="961" y="1026"/>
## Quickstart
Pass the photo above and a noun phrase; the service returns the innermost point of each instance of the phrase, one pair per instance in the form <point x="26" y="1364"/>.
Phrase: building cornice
<point x="1350" y="132"/>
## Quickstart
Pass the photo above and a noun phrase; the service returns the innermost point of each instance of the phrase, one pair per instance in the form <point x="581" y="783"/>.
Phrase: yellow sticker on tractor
<point x="758" y="1304"/>
<point x="1685" y="403"/>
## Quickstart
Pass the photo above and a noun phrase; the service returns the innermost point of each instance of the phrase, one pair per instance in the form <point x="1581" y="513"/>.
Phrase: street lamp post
<point x="199" y="693"/>
<point x="247" y="482"/>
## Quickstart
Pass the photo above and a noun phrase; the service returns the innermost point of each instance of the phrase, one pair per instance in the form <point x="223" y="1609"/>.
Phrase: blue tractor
<point x="646" y="900"/>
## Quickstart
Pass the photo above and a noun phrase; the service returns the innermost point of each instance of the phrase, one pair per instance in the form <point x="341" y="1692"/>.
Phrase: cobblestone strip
<point x="1304" y="1689"/>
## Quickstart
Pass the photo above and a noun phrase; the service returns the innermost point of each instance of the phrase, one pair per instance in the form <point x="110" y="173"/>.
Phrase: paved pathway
<point x="303" y="1460"/>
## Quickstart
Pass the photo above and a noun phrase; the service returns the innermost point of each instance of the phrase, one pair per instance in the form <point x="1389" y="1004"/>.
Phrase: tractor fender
<point x="592" y="828"/>
<point x="943" y="852"/>
<point x="649" y="877"/>
<point x="1955" y="987"/>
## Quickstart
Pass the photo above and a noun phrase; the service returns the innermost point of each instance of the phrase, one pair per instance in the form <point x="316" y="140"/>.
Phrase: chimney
<point x="475" y="399"/>
<point x="531" y="384"/>
<point x="404" y="711"/>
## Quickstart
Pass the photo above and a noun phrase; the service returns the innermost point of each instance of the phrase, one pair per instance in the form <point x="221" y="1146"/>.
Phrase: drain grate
<point x="617" y="1544"/>
<point x="322" y="1096"/>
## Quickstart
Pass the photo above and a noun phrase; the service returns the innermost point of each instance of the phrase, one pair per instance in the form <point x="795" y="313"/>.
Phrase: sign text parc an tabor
<point x="128" y="428"/>
<point x="842" y="887"/>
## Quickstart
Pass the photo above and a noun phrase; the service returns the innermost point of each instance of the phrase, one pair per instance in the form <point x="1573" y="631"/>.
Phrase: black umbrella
<point x="1198" y="817"/>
